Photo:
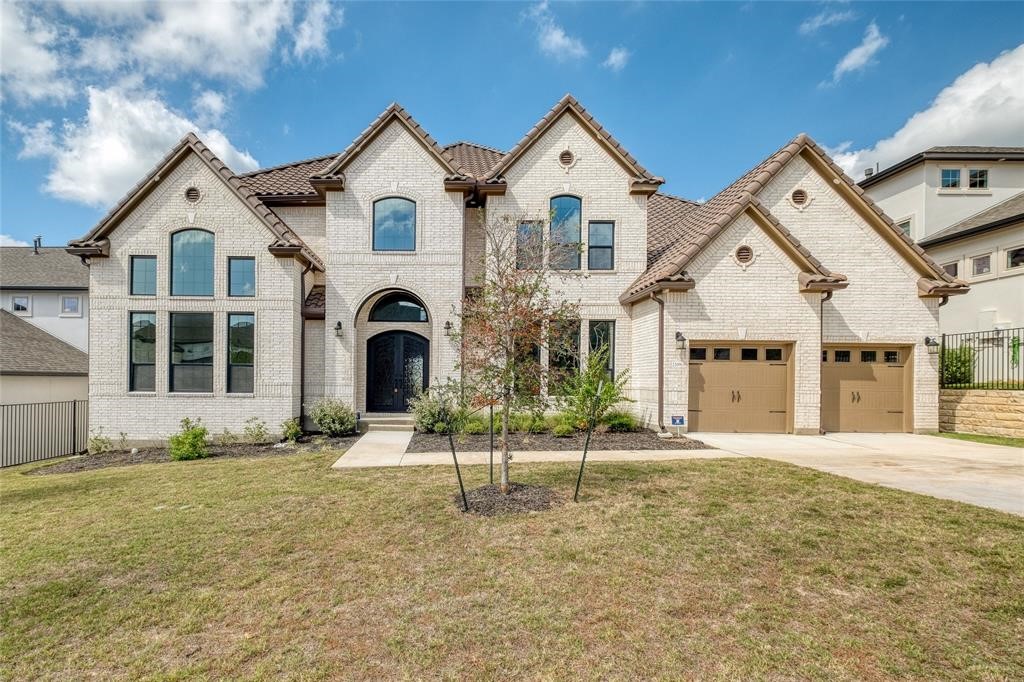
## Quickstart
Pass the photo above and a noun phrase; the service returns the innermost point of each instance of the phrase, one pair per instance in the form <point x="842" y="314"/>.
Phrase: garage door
<point x="863" y="389"/>
<point x="742" y="388"/>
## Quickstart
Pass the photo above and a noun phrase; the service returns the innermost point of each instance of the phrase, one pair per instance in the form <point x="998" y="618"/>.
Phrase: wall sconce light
<point x="680" y="341"/>
<point x="338" y="329"/>
<point x="447" y="327"/>
<point x="933" y="345"/>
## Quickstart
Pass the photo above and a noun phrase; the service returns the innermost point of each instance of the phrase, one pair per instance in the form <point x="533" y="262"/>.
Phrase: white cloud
<point x="617" y="59"/>
<point x="552" y="38"/>
<point x="859" y="57"/>
<point x="100" y="53"/>
<point x="825" y="19"/>
<point x="311" y="33"/>
<point x="96" y="160"/>
<point x="31" y="64"/>
<point x="983" y="106"/>
<point x="7" y="240"/>
<point x="210" y="107"/>
<point x="36" y="140"/>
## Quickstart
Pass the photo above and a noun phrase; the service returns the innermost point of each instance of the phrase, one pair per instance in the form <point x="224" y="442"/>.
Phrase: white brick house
<point x="342" y="276"/>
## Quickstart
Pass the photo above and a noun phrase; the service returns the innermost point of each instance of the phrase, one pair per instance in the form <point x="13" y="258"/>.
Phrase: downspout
<point x="944" y="301"/>
<point x="661" y="359"/>
<point x="302" y="347"/>
<point x="821" y="344"/>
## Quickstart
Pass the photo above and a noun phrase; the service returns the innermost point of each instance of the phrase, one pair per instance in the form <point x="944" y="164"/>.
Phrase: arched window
<point x="394" y="224"/>
<point x="398" y="307"/>
<point x="192" y="263"/>
<point x="565" y="232"/>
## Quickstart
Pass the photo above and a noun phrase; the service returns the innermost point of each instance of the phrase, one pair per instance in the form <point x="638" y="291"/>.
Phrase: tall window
<point x="241" y="352"/>
<point x="563" y="354"/>
<point x="143" y="275"/>
<point x="241" y="276"/>
<point x="142" y="354"/>
<point x="192" y="263"/>
<point x="565" y="233"/>
<point x="602" y="334"/>
<point x="950" y="178"/>
<point x="529" y="246"/>
<point x="601" y="246"/>
<point x="394" y="224"/>
<point x="192" y="352"/>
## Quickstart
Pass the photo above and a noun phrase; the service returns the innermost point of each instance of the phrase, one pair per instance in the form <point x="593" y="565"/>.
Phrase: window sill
<point x="964" y="192"/>
<point x="142" y="393"/>
<point x="186" y="394"/>
<point x="69" y="315"/>
<point x="21" y="313"/>
<point x="396" y="252"/>
<point x="602" y="272"/>
<point x="239" y="395"/>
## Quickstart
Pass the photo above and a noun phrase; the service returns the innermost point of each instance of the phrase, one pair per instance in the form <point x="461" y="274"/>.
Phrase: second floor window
<point x="977" y="179"/>
<point x="394" y="224"/>
<point x="241" y="276"/>
<point x="950" y="178"/>
<point x="601" y="246"/>
<point x="529" y="246"/>
<point x="192" y="263"/>
<point x="143" y="276"/>
<point x="565" y="233"/>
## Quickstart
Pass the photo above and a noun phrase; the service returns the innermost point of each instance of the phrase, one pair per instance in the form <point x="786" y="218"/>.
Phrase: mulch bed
<point x="521" y="499"/>
<point x="117" y="458"/>
<point x="641" y="440"/>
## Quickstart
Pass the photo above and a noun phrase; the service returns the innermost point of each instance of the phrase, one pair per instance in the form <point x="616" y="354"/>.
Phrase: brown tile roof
<point x="474" y="159"/>
<point x="315" y="305"/>
<point x="51" y="268"/>
<point x="96" y="240"/>
<point x="27" y="349"/>
<point x="664" y="213"/>
<point x="696" y="228"/>
<point x="1004" y="213"/>
<point x="568" y="103"/>
<point x="288" y="179"/>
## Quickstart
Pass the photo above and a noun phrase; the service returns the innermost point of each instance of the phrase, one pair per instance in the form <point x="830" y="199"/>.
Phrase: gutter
<point x="302" y="346"/>
<point x="995" y="224"/>
<point x="826" y="296"/>
<point x="661" y="359"/>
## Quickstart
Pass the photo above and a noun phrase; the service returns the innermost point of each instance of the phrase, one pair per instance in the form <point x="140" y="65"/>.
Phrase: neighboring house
<point x="227" y="296"/>
<point x="965" y="206"/>
<point x="49" y="288"/>
<point x="37" y="367"/>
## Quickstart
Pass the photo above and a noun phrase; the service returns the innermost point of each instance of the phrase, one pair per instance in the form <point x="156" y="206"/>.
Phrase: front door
<point x="396" y="370"/>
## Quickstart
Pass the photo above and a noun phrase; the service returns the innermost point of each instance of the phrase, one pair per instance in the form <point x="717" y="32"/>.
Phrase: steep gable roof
<point x="1004" y="213"/>
<point x="569" y="105"/>
<point x="27" y="349"/>
<point x="696" y="228"/>
<point x="51" y="268"/>
<point x="288" y="179"/>
<point x="97" y="244"/>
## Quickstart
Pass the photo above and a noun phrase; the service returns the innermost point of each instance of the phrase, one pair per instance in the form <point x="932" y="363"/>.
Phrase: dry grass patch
<point x="281" y="568"/>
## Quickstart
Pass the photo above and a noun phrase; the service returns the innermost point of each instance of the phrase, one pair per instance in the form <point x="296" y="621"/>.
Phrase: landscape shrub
<point x="98" y="443"/>
<point x="190" y="442"/>
<point x="563" y="429"/>
<point x="620" y="421"/>
<point x="475" y="425"/>
<point x="958" y="366"/>
<point x="527" y="422"/>
<point x="256" y="430"/>
<point x="227" y="438"/>
<point x="291" y="430"/>
<point x="333" y="417"/>
<point x="581" y="389"/>
<point x="438" y="408"/>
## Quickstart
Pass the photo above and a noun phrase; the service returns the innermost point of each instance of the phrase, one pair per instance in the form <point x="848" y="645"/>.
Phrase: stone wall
<point x="991" y="413"/>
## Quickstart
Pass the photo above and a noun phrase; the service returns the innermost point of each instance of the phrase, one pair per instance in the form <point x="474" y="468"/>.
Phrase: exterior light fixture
<point x="337" y="329"/>
<point x="680" y="341"/>
<point x="447" y="327"/>
<point x="933" y="345"/>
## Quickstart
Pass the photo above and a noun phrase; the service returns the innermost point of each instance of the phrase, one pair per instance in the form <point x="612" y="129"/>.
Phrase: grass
<point x="280" y="568"/>
<point x="991" y="440"/>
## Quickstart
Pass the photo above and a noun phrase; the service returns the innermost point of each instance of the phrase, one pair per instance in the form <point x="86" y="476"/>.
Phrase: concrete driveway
<point x="985" y="475"/>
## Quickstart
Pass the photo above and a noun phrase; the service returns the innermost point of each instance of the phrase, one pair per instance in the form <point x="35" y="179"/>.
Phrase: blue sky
<point x="95" y="92"/>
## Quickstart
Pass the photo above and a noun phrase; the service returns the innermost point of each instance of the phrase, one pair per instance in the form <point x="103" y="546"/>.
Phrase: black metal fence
<point x="990" y="359"/>
<point x="34" y="431"/>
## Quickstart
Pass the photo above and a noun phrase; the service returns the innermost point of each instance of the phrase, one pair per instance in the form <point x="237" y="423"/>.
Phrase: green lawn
<point x="991" y="440"/>
<point x="279" y="568"/>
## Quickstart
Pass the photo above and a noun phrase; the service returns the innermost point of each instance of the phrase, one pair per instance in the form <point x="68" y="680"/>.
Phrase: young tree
<point x="511" y="315"/>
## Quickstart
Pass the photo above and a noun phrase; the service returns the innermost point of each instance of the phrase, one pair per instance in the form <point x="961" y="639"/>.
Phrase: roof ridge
<point x="279" y="166"/>
<point x="677" y="198"/>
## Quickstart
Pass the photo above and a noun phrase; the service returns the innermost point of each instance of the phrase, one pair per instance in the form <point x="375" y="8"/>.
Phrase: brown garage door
<point x="739" y="387"/>
<point x="863" y="389"/>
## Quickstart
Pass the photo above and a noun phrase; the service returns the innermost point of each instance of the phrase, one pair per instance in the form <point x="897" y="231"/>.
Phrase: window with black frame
<point x="601" y="245"/>
<point x="192" y="263"/>
<point x="142" y="352"/>
<point x="241" y="276"/>
<point x="191" y="353"/>
<point x="143" y="275"/>
<point x="602" y="334"/>
<point x="563" y="354"/>
<point x="394" y="224"/>
<point x="241" y="352"/>
<point x="566" y="212"/>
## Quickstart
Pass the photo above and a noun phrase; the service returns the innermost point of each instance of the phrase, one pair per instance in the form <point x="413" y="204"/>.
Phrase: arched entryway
<point x="397" y="365"/>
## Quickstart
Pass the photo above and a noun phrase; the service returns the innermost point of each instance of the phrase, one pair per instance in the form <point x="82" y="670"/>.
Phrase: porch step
<point x="401" y="422"/>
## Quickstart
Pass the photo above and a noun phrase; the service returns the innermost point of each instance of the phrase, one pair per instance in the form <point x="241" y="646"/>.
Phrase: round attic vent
<point x="566" y="158"/>
<point x="744" y="254"/>
<point x="799" y="197"/>
<point x="192" y="195"/>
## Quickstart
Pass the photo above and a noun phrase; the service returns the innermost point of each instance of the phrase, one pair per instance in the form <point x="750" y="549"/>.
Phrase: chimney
<point x="868" y="172"/>
<point x="36" y="243"/>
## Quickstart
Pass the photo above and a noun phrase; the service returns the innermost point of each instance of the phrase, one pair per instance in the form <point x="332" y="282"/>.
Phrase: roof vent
<point x="868" y="172"/>
<point x="567" y="158"/>
<point x="744" y="254"/>
<point x="799" y="197"/>
<point x="192" y="195"/>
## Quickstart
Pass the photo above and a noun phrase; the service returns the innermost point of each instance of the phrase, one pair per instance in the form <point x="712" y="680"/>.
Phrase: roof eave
<point x="629" y="298"/>
<point x="994" y="225"/>
<point x="644" y="186"/>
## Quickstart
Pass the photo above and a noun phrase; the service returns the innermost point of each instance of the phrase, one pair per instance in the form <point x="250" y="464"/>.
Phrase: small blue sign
<point x="678" y="420"/>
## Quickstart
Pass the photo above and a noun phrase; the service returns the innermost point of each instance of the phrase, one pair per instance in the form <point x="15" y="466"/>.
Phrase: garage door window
<point x="722" y="354"/>
<point x="773" y="354"/>
<point x="868" y="356"/>
<point x="698" y="354"/>
<point x="842" y="356"/>
<point x="892" y="356"/>
<point x="748" y="354"/>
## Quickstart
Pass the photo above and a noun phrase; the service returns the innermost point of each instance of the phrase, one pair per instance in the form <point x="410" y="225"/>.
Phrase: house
<point x="37" y="367"/>
<point x="965" y="206"/>
<point x="48" y="288"/>
<point x="788" y="302"/>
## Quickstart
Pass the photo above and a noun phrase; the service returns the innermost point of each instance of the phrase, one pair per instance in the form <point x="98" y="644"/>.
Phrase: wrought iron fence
<point x="35" y="431"/>
<point x="989" y="359"/>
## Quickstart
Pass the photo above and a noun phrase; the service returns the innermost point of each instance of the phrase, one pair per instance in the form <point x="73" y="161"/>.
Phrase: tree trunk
<point x="505" y="410"/>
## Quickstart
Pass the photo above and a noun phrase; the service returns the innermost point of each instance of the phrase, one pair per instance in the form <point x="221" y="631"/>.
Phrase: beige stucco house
<point x="788" y="302"/>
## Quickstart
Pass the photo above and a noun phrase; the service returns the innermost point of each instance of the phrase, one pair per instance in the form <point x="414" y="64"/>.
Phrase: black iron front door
<point x="396" y="370"/>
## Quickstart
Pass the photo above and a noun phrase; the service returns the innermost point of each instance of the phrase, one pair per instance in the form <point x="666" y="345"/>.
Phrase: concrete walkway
<point x="976" y="473"/>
